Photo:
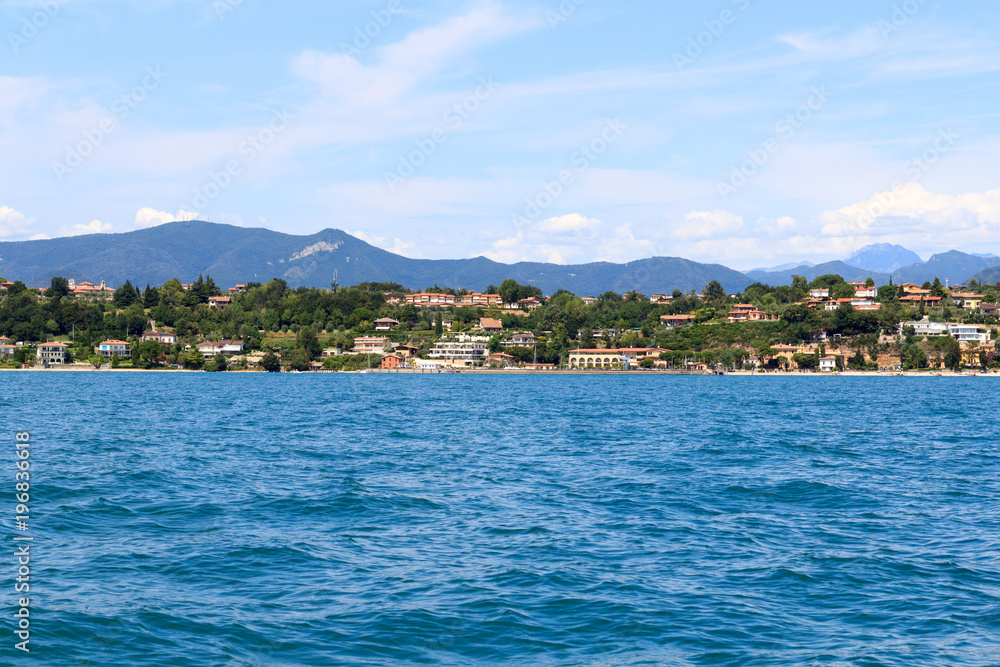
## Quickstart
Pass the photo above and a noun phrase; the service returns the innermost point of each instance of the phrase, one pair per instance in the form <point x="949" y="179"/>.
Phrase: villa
<point x="53" y="353"/>
<point x="112" y="348"/>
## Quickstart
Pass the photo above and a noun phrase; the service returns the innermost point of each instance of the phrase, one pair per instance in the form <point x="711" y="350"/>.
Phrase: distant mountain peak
<point x="883" y="258"/>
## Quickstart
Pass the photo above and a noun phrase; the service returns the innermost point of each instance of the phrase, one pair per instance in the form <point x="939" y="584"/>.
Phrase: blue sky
<point x="732" y="131"/>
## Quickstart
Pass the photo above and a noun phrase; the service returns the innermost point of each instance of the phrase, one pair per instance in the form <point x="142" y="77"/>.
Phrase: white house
<point x="828" y="364"/>
<point x="221" y="347"/>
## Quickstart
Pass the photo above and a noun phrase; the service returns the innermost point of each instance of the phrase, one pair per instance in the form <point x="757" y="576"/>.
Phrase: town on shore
<point x="826" y="325"/>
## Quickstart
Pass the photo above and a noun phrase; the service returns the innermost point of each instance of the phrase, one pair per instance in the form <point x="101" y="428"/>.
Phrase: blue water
<point x="380" y="520"/>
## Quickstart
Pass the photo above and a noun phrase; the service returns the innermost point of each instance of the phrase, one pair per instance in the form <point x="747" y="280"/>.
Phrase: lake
<point x="253" y="519"/>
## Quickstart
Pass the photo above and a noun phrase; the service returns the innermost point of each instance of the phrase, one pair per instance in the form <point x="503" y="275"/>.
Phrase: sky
<point x="739" y="132"/>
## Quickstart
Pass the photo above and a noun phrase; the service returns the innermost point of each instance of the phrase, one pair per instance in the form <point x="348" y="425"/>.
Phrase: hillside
<point x="234" y="255"/>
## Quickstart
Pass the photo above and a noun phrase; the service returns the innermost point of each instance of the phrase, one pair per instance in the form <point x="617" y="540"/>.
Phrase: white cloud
<point x="13" y="222"/>
<point x="782" y="226"/>
<point x="95" y="227"/>
<point x="150" y="217"/>
<point x="911" y="208"/>
<point x="399" y="246"/>
<point x="572" y="224"/>
<point x="709" y="224"/>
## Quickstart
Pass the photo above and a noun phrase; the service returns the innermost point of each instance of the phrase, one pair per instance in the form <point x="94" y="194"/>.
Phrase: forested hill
<point x="233" y="255"/>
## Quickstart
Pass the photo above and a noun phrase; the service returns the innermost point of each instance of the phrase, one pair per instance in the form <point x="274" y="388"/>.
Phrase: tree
<point x="308" y="343"/>
<point x="841" y="291"/>
<point x="714" y="291"/>
<point x="677" y="294"/>
<point x="126" y="295"/>
<point x="194" y="359"/>
<point x="58" y="288"/>
<point x="869" y="282"/>
<point x="439" y="325"/>
<point x="800" y="283"/>
<point x="937" y="289"/>
<point x="952" y="354"/>
<point x="270" y="362"/>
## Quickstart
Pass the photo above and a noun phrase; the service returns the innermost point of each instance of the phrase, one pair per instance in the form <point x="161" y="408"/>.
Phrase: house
<point x="676" y="320"/>
<point x="477" y="299"/>
<point x="371" y="345"/>
<point x="219" y="301"/>
<point x="531" y="303"/>
<point x="539" y="367"/>
<point x="430" y="299"/>
<point x="385" y="324"/>
<point x="330" y="352"/>
<point x="408" y="351"/>
<point x="988" y="309"/>
<point x="740" y="311"/>
<point x="588" y="300"/>
<point x="85" y="288"/>
<point x="748" y="313"/>
<point x="521" y="340"/>
<point x="823" y="293"/>
<point x="965" y="333"/>
<point x="834" y="304"/>
<point x="447" y="324"/>
<point x="858" y="302"/>
<point x="5" y="285"/>
<point x="7" y="350"/>
<point x="501" y="358"/>
<point x="828" y="364"/>
<point x="111" y="348"/>
<point x="52" y="353"/>
<point x="239" y="289"/>
<point x="393" y="361"/>
<point x="661" y="298"/>
<point x="612" y="358"/>
<point x="863" y="291"/>
<point x="211" y="349"/>
<point x="967" y="300"/>
<point x="5" y="341"/>
<point x="161" y="337"/>
<point x="926" y="328"/>
<point x="463" y="351"/>
<point x="912" y="288"/>
<point x="490" y="325"/>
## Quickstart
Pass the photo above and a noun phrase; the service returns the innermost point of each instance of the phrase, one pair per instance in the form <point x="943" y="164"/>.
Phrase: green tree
<point x="270" y="362"/>
<point x="307" y="341"/>
<point x="126" y="295"/>
<point x="714" y="291"/>
<point x="58" y="288"/>
<point x="869" y="282"/>
<point x="952" y="354"/>
<point x="194" y="359"/>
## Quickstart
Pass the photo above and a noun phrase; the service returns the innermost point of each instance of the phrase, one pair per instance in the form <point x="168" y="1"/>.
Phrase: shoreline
<point x="518" y="371"/>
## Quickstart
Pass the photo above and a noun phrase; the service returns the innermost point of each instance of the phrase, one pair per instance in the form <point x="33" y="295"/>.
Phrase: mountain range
<point x="233" y="255"/>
